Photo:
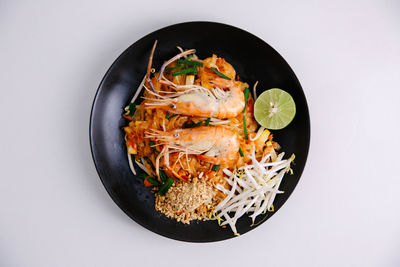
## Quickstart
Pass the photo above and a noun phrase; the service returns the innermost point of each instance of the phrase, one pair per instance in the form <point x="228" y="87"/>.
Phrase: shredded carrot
<point x="176" y="174"/>
<point x="127" y="117"/>
<point x="147" y="183"/>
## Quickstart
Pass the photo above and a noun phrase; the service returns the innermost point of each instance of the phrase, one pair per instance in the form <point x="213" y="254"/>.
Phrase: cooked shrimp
<point x="206" y="75"/>
<point x="214" y="144"/>
<point x="225" y="100"/>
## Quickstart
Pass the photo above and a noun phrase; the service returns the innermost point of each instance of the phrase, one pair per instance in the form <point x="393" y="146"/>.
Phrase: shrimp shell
<point x="214" y="144"/>
<point x="225" y="100"/>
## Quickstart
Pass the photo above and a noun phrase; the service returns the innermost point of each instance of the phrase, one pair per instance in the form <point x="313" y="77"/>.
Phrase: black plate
<point x="253" y="59"/>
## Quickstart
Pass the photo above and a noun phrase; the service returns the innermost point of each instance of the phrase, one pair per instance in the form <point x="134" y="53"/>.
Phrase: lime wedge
<point x="274" y="109"/>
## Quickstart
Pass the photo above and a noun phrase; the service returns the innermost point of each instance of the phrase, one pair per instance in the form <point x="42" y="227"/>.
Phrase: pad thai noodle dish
<point x="193" y="133"/>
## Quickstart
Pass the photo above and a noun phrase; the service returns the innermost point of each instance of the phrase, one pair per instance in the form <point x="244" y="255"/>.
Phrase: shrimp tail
<point x="223" y="83"/>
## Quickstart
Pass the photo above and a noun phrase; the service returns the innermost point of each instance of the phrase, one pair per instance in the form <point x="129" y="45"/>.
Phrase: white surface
<point x="54" y="209"/>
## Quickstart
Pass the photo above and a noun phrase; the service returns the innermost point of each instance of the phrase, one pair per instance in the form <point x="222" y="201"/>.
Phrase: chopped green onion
<point x="143" y="175"/>
<point x="215" y="167"/>
<point x="245" y="128"/>
<point x="192" y="125"/>
<point x="220" y="74"/>
<point x="164" y="188"/>
<point x="191" y="70"/>
<point x="174" y="68"/>
<point x="153" y="145"/>
<point x="153" y="181"/>
<point x="163" y="176"/>
<point x="207" y="122"/>
<point x="190" y="62"/>
<point x="246" y="97"/>
<point x="132" y="108"/>
<point x="168" y="117"/>
<point x="241" y="152"/>
<point x="189" y="57"/>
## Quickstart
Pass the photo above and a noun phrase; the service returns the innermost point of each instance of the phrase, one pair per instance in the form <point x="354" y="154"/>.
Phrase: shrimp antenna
<point x="153" y="93"/>
<point x="149" y="64"/>
<point x="178" y="56"/>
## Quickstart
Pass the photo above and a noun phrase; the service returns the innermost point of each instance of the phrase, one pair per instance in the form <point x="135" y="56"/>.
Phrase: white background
<point x="54" y="210"/>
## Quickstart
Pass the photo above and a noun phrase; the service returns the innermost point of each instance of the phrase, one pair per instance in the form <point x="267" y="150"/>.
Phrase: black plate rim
<point x="91" y="137"/>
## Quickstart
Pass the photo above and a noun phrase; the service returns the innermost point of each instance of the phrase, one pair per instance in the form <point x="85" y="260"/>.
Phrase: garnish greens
<point x="245" y="128"/>
<point x="191" y="70"/>
<point x="163" y="176"/>
<point x="215" y="167"/>
<point x="168" y="117"/>
<point x="220" y="74"/>
<point x="246" y="97"/>
<point x="153" y="145"/>
<point x="190" y="62"/>
<point x="164" y="188"/>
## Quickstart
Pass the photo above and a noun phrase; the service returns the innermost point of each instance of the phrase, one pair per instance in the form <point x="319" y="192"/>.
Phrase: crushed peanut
<point x="187" y="201"/>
